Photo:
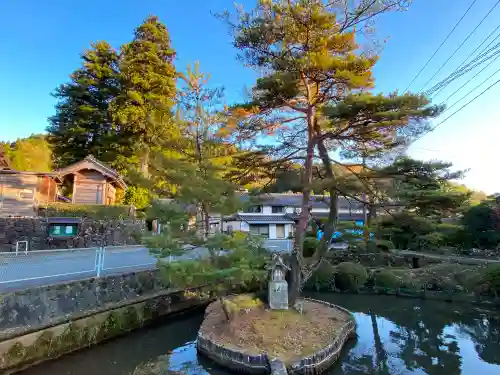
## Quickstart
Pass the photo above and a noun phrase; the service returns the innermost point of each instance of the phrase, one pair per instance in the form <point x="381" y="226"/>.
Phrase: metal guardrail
<point x="22" y="269"/>
<point x="281" y="246"/>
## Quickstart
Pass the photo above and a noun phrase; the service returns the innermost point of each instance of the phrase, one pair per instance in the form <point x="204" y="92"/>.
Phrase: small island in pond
<point x="287" y="335"/>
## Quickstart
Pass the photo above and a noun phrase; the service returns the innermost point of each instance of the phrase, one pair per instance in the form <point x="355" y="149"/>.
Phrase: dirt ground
<point x="287" y="335"/>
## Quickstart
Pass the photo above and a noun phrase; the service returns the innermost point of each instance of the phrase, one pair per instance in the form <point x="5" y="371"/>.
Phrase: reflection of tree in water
<point x="423" y="342"/>
<point x="380" y="353"/>
<point x="423" y="335"/>
<point x="486" y="336"/>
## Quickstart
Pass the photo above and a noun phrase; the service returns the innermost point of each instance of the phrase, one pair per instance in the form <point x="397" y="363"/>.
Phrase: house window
<point x="278" y="209"/>
<point x="260" y="229"/>
<point x="280" y="230"/>
<point x="254" y="209"/>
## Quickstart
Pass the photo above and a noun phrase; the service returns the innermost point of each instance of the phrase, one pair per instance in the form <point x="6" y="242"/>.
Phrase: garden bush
<point x="92" y="211"/>
<point x="323" y="278"/>
<point x="350" y="276"/>
<point x="386" y="279"/>
<point x="491" y="280"/>
<point x="310" y="246"/>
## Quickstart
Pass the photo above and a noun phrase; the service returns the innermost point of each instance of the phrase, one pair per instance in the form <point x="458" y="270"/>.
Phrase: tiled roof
<point x="295" y="200"/>
<point x="260" y="218"/>
<point x="341" y="216"/>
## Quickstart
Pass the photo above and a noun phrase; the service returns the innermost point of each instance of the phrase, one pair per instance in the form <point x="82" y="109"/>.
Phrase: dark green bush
<point x="385" y="279"/>
<point x="323" y="278"/>
<point x="92" y="211"/>
<point x="350" y="276"/>
<point x="492" y="279"/>
<point x="310" y="246"/>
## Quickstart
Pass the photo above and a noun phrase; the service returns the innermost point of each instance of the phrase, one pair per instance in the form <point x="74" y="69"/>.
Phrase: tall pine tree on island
<point x="83" y="124"/>
<point x="143" y="109"/>
<point x="313" y="96"/>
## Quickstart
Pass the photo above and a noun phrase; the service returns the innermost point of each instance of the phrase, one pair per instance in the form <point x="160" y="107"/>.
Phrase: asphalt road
<point x="22" y="271"/>
<point x="44" y="268"/>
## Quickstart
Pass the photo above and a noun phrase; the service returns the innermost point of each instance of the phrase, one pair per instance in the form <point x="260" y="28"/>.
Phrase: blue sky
<point x="41" y="43"/>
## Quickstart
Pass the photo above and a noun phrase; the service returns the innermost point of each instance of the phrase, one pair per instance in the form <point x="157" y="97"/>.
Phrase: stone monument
<point x="278" y="287"/>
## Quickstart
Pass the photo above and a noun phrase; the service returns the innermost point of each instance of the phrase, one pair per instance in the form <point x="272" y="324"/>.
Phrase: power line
<point x="472" y="78"/>
<point x="458" y="110"/>
<point x="461" y="44"/>
<point x="479" y="46"/>
<point x="467" y="68"/>
<point x="441" y="45"/>
<point x="456" y="74"/>
<point x="475" y="88"/>
<point x="466" y="104"/>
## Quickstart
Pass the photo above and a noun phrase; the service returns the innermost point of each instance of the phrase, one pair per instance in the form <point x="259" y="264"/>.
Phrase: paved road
<point x="44" y="268"/>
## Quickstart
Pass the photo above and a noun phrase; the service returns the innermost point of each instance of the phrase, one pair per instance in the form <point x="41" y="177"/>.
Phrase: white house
<point x="274" y="216"/>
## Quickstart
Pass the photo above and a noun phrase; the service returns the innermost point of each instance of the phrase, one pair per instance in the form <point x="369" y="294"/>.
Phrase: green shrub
<point x="491" y="279"/>
<point x="384" y="245"/>
<point x="310" y="246"/>
<point x="385" y="279"/>
<point x="350" y="276"/>
<point x="92" y="211"/>
<point x="323" y="278"/>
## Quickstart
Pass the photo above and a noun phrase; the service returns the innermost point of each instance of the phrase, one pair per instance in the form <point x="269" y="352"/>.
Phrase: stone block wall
<point x="38" y="307"/>
<point x="47" y="322"/>
<point x="92" y="233"/>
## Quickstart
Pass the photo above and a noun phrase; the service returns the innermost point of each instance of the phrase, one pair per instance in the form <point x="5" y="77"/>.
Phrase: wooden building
<point x="21" y="192"/>
<point x="93" y="181"/>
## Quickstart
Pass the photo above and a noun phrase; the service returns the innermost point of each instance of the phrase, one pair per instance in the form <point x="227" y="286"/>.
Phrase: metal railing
<point x="23" y="269"/>
<point x="281" y="246"/>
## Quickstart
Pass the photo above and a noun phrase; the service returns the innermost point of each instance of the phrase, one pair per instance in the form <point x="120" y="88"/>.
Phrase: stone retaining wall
<point x="46" y="322"/>
<point x="92" y="233"/>
<point x="39" y="307"/>
<point x="52" y="342"/>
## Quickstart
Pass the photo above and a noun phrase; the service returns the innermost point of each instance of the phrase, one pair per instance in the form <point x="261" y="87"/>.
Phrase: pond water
<point x="395" y="336"/>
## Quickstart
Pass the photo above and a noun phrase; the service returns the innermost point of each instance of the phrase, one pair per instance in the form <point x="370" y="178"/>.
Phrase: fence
<point x="22" y="269"/>
<point x="281" y="246"/>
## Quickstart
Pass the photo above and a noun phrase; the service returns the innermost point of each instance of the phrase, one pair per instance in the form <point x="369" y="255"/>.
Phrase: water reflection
<point x="395" y="336"/>
<point x="406" y="336"/>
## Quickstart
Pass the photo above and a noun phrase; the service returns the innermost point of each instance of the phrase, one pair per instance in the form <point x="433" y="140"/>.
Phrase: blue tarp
<point x="359" y="232"/>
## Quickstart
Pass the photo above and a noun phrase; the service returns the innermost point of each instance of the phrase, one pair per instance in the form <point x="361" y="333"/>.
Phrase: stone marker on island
<point x="278" y="287"/>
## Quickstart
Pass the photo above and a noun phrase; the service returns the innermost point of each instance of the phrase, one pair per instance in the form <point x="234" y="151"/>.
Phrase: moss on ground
<point x="287" y="335"/>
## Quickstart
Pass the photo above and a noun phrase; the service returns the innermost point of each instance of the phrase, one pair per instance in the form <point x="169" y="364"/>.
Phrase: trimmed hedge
<point x="323" y="278"/>
<point x="385" y="279"/>
<point x="350" y="276"/>
<point x="310" y="246"/>
<point x="93" y="211"/>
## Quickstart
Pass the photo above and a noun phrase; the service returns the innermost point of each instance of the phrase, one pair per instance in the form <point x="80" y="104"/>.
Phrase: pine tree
<point x="312" y="95"/>
<point x="143" y="109"/>
<point x="83" y="124"/>
<point x="197" y="160"/>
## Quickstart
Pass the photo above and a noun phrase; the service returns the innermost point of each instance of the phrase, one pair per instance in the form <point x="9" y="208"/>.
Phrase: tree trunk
<point x="296" y="281"/>
<point x="145" y="162"/>
<point x="206" y="221"/>
<point x="332" y="215"/>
